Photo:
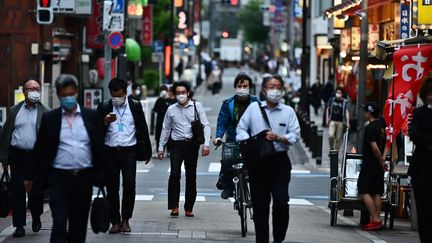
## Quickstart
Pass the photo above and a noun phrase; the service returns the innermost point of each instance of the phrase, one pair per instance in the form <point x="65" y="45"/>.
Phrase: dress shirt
<point x="283" y="122"/>
<point x="178" y="120"/>
<point x="121" y="132"/>
<point x="24" y="134"/>
<point x="74" y="151"/>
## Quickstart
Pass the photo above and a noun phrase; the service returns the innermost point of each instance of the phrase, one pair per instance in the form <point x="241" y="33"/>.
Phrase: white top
<point x="178" y="120"/>
<point x="121" y="132"/>
<point x="283" y="121"/>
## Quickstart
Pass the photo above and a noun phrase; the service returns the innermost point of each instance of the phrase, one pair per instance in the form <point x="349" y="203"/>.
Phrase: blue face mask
<point x="68" y="102"/>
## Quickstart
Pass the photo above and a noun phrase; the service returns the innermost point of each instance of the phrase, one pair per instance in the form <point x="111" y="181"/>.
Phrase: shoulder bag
<point x="5" y="194"/>
<point x="197" y="128"/>
<point x="258" y="147"/>
<point x="100" y="214"/>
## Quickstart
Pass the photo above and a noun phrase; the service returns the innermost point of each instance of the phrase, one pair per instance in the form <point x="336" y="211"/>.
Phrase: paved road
<point x="215" y="220"/>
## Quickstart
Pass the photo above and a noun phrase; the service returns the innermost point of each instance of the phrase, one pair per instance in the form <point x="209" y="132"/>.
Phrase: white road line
<point x="214" y="167"/>
<point x="182" y="169"/>
<point x="300" y="172"/>
<point x="144" y="197"/>
<point x="142" y="171"/>
<point x="299" y="201"/>
<point x="198" y="198"/>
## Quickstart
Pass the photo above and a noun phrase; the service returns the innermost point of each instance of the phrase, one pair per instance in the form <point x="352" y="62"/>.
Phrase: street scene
<point x="216" y="121"/>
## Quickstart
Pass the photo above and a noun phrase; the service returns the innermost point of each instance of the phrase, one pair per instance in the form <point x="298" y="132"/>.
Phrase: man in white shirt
<point x="126" y="141"/>
<point x="177" y="127"/>
<point x="270" y="176"/>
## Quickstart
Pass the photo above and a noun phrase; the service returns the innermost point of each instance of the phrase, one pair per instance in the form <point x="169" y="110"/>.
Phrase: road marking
<point x="182" y="168"/>
<point x="142" y="171"/>
<point x="299" y="201"/>
<point x="198" y="198"/>
<point x="300" y="172"/>
<point x="144" y="197"/>
<point x="214" y="167"/>
<point x="207" y="108"/>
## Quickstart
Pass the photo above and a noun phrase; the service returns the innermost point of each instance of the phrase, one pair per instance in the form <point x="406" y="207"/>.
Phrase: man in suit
<point x="126" y="141"/>
<point x="16" y="141"/>
<point x="70" y="160"/>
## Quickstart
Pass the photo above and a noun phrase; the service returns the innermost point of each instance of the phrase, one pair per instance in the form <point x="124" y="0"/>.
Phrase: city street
<point x="215" y="219"/>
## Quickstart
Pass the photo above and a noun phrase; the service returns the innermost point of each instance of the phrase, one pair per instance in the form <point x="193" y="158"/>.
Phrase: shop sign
<point x="147" y="32"/>
<point x="94" y="32"/>
<point x="422" y="17"/>
<point x="345" y="39"/>
<point x="355" y="38"/>
<point x="404" y="21"/>
<point x="373" y="36"/>
<point x="83" y="7"/>
<point x="64" y="6"/>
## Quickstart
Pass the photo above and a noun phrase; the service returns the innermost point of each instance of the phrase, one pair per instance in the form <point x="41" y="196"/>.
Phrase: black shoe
<point x="36" y="225"/>
<point x="19" y="232"/>
<point x="226" y="193"/>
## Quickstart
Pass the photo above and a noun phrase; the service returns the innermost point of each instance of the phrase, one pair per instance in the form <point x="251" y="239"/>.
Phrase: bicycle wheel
<point x="242" y="206"/>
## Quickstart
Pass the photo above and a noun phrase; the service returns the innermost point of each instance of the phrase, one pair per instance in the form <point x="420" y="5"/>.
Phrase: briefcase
<point x="99" y="215"/>
<point x="5" y="194"/>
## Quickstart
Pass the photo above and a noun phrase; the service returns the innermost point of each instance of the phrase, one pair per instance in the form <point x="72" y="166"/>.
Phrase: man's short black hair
<point x="65" y="80"/>
<point x="117" y="84"/>
<point x="241" y="77"/>
<point x="273" y="76"/>
<point x="134" y="86"/>
<point x="181" y="84"/>
<point x="340" y="89"/>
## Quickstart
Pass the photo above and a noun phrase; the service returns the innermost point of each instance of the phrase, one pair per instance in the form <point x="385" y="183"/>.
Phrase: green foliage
<point x="151" y="79"/>
<point x="251" y="19"/>
<point x="146" y="53"/>
<point x="161" y="18"/>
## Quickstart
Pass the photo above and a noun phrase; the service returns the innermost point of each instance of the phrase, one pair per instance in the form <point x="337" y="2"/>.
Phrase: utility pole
<point x="171" y="42"/>
<point x="108" y="7"/>
<point x="199" y="78"/>
<point x="362" y="76"/>
<point x="304" y="98"/>
<point x="122" y="57"/>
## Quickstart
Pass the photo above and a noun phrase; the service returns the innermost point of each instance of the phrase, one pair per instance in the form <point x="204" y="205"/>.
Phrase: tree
<point x="251" y="21"/>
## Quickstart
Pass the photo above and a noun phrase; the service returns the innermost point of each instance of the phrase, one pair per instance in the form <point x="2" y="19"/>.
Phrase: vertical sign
<point x="345" y="40"/>
<point x="355" y="38"/>
<point x="94" y="32"/>
<point x="147" y="32"/>
<point x="373" y="36"/>
<point x="404" y="21"/>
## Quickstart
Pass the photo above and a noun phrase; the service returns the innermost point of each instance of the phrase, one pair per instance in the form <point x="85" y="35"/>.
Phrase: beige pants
<point x="336" y="130"/>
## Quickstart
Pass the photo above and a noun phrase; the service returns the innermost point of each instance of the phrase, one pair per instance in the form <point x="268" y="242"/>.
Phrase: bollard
<point x="307" y="132"/>
<point x="333" y="174"/>
<point x="318" y="146"/>
<point x="152" y="123"/>
<point x="313" y="140"/>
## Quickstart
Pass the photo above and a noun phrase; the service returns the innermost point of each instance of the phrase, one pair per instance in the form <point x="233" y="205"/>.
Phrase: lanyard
<point x="70" y="122"/>
<point x="122" y="114"/>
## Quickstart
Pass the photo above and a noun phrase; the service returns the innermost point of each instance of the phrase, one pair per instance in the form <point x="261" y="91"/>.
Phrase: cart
<point x="343" y="189"/>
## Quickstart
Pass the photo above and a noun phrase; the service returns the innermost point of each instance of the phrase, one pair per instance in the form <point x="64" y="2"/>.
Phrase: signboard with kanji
<point x="373" y="36"/>
<point x="147" y="31"/>
<point x="404" y="21"/>
<point x="345" y="39"/>
<point x="63" y="6"/>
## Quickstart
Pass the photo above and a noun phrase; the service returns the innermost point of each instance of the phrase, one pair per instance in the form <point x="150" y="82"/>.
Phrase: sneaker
<point x="373" y="225"/>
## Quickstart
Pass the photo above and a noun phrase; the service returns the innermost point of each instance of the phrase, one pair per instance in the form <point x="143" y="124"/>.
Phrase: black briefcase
<point x="5" y="194"/>
<point x="99" y="215"/>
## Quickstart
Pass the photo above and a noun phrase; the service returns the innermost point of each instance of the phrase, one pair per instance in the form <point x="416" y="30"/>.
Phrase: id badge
<point x="120" y="127"/>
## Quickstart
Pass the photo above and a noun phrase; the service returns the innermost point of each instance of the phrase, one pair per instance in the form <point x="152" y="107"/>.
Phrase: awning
<point x="133" y="50"/>
<point x="350" y="7"/>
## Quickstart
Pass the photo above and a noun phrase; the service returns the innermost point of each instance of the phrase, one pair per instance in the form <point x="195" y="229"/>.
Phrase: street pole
<point x="122" y="57"/>
<point x="199" y="78"/>
<point x="362" y="76"/>
<point x="304" y="99"/>
<point x="171" y="42"/>
<point x="107" y="64"/>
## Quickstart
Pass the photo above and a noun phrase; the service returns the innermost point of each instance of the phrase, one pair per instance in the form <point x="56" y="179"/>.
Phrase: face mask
<point x="338" y="95"/>
<point x="118" y="101"/>
<point x="242" y="92"/>
<point x="163" y="93"/>
<point x="181" y="99"/>
<point x="429" y="105"/>
<point x="274" y="95"/>
<point x="33" y="96"/>
<point x="138" y="92"/>
<point x="68" y="102"/>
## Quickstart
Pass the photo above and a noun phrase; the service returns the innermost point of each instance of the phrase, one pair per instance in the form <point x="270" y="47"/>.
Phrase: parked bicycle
<point x="242" y="198"/>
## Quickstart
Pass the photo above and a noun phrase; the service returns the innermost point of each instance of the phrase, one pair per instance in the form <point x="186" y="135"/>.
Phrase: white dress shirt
<point x="24" y="134"/>
<point x="121" y="132"/>
<point x="283" y="122"/>
<point x="74" y="151"/>
<point x="178" y="120"/>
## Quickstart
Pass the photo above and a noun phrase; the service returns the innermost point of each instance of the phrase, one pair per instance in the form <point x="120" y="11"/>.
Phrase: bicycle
<point x="242" y="197"/>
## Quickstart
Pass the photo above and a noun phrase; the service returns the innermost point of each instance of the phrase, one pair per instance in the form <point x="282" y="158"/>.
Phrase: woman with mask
<point x="229" y="115"/>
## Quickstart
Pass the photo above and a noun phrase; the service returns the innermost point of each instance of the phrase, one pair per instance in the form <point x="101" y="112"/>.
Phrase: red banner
<point x="147" y="32"/>
<point x="411" y="65"/>
<point x="94" y="32"/>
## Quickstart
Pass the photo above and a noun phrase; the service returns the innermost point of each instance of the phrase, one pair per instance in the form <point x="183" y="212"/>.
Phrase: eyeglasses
<point x="32" y="89"/>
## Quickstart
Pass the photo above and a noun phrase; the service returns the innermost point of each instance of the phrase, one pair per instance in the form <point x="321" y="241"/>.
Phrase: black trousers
<point x="19" y="159"/>
<point x="187" y="152"/>
<point x="121" y="160"/>
<point x="70" y="198"/>
<point x="423" y="198"/>
<point x="269" y="180"/>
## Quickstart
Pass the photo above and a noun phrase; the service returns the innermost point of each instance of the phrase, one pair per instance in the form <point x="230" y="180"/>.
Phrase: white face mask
<point x="274" y="95"/>
<point x="163" y="93"/>
<point x="181" y="99"/>
<point x="429" y="105"/>
<point x="118" y="101"/>
<point x="242" y="92"/>
<point x="138" y="92"/>
<point x="33" y="96"/>
<point x="338" y="95"/>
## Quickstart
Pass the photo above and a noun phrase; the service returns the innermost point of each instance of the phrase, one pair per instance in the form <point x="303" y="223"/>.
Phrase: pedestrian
<point x="230" y="113"/>
<point x="270" y="177"/>
<point x="337" y="118"/>
<point x="177" y="127"/>
<point x="17" y="139"/>
<point x="70" y="159"/>
<point x="215" y="80"/>
<point x="160" y="107"/>
<point x="126" y="141"/>
<point x="136" y="92"/>
<point x="326" y="93"/>
<point x="420" y="166"/>
<point x="179" y="68"/>
<point x="316" y="96"/>
<point x="371" y="178"/>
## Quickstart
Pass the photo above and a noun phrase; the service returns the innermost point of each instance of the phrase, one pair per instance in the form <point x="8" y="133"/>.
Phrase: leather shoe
<point x="125" y="226"/>
<point x="189" y="214"/>
<point x="116" y="228"/>
<point x="19" y="232"/>
<point x="174" y="212"/>
<point x="36" y="225"/>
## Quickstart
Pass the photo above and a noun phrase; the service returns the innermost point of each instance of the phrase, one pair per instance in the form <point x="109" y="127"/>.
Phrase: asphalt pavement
<point x="215" y="219"/>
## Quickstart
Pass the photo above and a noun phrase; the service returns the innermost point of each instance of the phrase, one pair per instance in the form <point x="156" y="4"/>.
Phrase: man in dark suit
<point x="126" y="141"/>
<point x="69" y="152"/>
<point x="16" y="141"/>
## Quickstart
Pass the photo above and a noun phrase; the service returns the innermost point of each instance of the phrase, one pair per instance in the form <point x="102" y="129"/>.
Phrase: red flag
<point x="411" y="65"/>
